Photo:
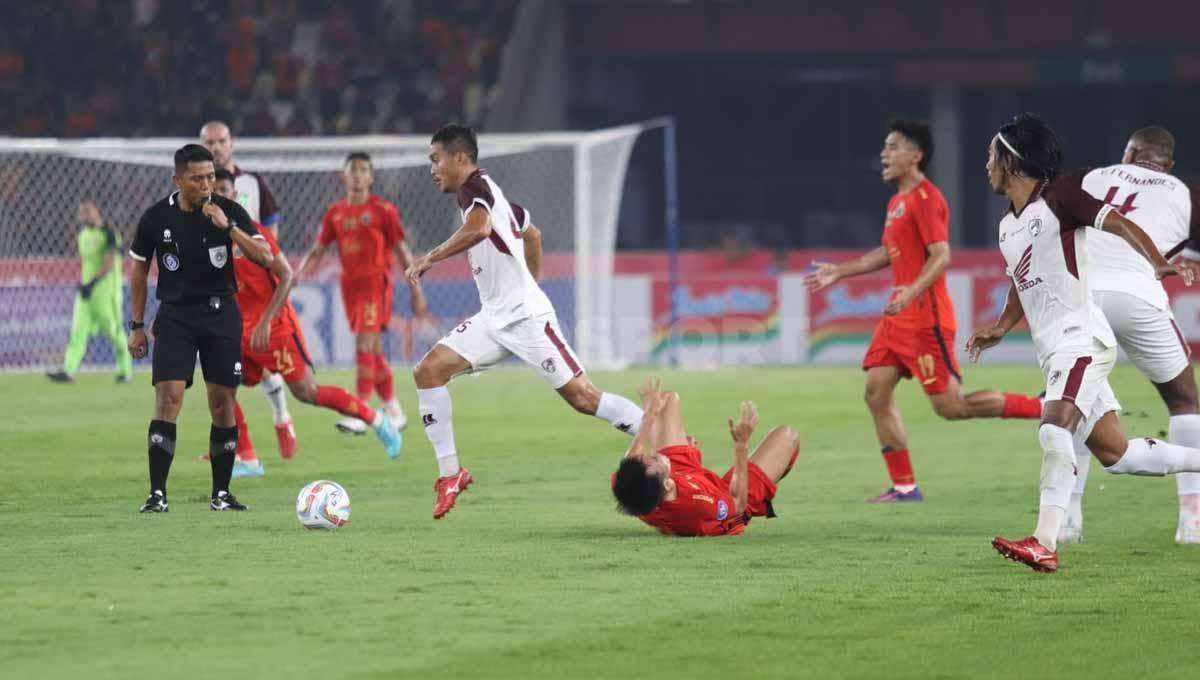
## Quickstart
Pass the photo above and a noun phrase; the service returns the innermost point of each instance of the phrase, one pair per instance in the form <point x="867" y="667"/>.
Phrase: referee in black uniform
<point x="192" y="234"/>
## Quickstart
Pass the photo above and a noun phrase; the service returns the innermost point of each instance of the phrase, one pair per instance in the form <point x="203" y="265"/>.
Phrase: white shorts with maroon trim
<point x="1082" y="378"/>
<point x="538" y="341"/>
<point x="1149" y="335"/>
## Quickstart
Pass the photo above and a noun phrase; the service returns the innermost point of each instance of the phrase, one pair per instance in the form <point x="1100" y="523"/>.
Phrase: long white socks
<point x="1185" y="431"/>
<point x="1155" y="458"/>
<point x="272" y="386"/>
<point x="1057" y="482"/>
<point x="436" y="412"/>
<point x="620" y="413"/>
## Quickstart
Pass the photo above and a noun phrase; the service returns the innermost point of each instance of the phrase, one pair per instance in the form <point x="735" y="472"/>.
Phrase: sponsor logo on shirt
<point x="1021" y="271"/>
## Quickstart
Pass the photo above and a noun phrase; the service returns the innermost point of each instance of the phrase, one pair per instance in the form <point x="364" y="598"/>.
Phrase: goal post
<point x="571" y="182"/>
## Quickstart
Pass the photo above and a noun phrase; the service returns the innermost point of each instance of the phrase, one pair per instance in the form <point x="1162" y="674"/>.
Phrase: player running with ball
<point x="516" y="316"/>
<point x="1043" y="238"/>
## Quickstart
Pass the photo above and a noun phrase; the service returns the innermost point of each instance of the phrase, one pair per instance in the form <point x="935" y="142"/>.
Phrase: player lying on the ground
<point x="516" y="317"/>
<point x="369" y="236"/>
<point x="915" y="335"/>
<point x="662" y="480"/>
<point x="1135" y="303"/>
<point x="1046" y="225"/>
<point x="272" y="341"/>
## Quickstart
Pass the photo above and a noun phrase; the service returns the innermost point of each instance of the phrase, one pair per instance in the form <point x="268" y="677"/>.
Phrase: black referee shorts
<point x="213" y="330"/>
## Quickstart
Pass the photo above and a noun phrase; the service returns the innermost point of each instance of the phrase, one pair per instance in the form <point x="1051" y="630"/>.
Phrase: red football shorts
<point x="287" y="356"/>
<point x="368" y="303"/>
<point x="760" y="490"/>
<point x="924" y="353"/>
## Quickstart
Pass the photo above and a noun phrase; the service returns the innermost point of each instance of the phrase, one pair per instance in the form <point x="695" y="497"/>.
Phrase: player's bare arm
<point x="137" y="294"/>
<point x="260" y="339"/>
<point x="991" y="336"/>
<point x="419" y="305"/>
<point x="935" y="265"/>
<point x="311" y="259"/>
<point x="1116" y="223"/>
<point x="827" y="273"/>
<point x="476" y="228"/>
<point x="741" y="432"/>
<point x="532" y="236"/>
<point x="652" y="407"/>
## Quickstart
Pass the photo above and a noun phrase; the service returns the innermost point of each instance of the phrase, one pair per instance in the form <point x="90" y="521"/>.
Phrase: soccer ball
<point x="323" y="505"/>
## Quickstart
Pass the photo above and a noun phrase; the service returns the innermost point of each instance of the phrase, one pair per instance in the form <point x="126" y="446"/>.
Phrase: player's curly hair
<point x="1030" y="146"/>
<point x="637" y="491"/>
<point x="918" y="133"/>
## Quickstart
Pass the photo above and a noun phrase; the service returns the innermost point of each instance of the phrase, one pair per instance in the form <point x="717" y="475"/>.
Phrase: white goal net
<point x="570" y="182"/>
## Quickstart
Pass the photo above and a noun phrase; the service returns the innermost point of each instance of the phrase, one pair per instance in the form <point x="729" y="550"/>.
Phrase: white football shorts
<point x="1149" y="335"/>
<point x="538" y="341"/>
<point x="1081" y="377"/>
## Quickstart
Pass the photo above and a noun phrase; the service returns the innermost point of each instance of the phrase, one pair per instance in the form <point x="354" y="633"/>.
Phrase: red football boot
<point x="447" y="489"/>
<point x="1028" y="551"/>
<point x="286" y="434"/>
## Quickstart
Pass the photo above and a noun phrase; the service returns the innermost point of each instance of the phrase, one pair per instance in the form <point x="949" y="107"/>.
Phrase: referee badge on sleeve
<point x="218" y="255"/>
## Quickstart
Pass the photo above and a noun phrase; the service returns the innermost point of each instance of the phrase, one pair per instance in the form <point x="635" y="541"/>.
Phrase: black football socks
<point x="222" y="450"/>
<point x="162" y="452"/>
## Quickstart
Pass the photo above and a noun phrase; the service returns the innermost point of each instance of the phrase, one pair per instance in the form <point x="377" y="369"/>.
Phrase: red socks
<point x="383" y="379"/>
<point x="899" y="466"/>
<point x="345" y="403"/>
<point x="1021" y="406"/>
<point x="364" y="382"/>
<point x="245" y="450"/>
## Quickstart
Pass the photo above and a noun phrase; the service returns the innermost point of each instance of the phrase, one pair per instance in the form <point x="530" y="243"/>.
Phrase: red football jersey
<point x="365" y="235"/>
<point x="916" y="219"/>
<point x="702" y="505"/>
<point x="255" y="288"/>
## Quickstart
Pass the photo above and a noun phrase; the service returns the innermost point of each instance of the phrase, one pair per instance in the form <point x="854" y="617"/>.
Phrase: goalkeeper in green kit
<point x="100" y="301"/>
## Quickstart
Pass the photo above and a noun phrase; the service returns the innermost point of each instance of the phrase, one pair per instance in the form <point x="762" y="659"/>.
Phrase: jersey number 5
<point x="1126" y="207"/>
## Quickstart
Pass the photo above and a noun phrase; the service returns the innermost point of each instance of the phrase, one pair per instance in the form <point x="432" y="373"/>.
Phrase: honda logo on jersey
<point x="1021" y="271"/>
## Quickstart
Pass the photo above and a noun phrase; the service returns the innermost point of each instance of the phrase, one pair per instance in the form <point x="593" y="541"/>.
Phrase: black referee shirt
<point x="195" y="258"/>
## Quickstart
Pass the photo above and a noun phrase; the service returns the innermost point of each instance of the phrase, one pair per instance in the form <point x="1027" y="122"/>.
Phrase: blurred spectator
<point x="296" y="67"/>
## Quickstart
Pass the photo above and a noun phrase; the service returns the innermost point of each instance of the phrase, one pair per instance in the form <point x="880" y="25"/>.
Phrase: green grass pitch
<point x="534" y="575"/>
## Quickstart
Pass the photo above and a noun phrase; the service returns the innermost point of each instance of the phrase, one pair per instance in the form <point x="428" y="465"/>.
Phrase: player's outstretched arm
<point x="1116" y="223"/>
<point x="740" y="432"/>
<point x="477" y="227"/>
<point x="992" y="335"/>
<point x="827" y="273"/>
<point x="533" y="250"/>
<point x="420" y="306"/>
<point x="938" y="258"/>
<point x="311" y="259"/>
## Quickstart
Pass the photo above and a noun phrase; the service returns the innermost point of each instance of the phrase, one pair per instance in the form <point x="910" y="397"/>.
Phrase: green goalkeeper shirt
<point x="95" y="243"/>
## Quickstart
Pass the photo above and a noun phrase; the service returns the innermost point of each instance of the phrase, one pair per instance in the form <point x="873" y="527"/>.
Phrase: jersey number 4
<point x="1126" y="207"/>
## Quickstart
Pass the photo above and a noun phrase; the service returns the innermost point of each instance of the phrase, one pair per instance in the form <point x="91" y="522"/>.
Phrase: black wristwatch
<point x="136" y="325"/>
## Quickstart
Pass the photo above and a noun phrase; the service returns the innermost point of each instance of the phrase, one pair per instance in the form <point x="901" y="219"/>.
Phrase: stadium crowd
<point x="270" y="67"/>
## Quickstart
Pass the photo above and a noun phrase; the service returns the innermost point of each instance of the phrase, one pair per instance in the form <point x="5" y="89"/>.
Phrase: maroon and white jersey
<point x="507" y="291"/>
<point x="1045" y="253"/>
<point x="256" y="197"/>
<point x="1161" y="204"/>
